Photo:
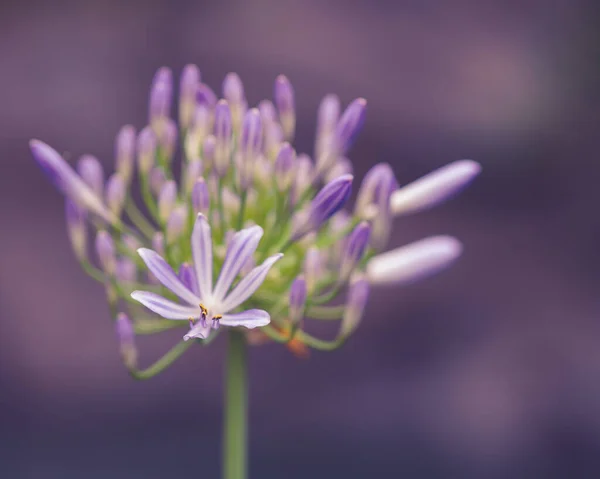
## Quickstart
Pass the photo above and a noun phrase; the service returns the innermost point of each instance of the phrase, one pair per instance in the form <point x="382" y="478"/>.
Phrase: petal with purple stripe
<point x="165" y="274"/>
<point x="240" y="250"/>
<point x="249" y="284"/>
<point x="164" y="307"/>
<point x="202" y="254"/>
<point x="252" y="318"/>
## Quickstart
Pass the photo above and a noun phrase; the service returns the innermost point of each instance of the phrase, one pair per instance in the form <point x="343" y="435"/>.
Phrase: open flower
<point x="209" y="307"/>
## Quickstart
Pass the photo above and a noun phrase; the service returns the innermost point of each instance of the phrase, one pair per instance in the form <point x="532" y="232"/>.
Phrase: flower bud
<point x="176" y="224"/>
<point x="250" y="145"/>
<point x="157" y="180"/>
<point x="303" y="178"/>
<point x="115" y="193"/>
<point x="167" y="141"/>
<point x="205" y="96"/>
<point x="161" y="94"/>
<point x="193" y="171"/>
<point x="67" y="181"/>
<point x="267" y="112"/>
<point x="285" y="167"/>
<point x="327" y="118"/>
<point x="158" y="243"/>
<point x="284" y="99"/>
<point x="358" y="295"/>
<point x="223" y="131"/>
<point x="350" y="124"/>
<point x="105" y="250"/>
<point x="166" y="200"/>
<point x="188" y="85"/>
<point x="233" y="92"/>
<point x="77" y="229"/>
<point x="92" y="173"/>
<point x="413" y="262"/>
<point x="327" y="202"/>
<point x="354" y="249"/>
<point x="126" y="337"/>
<point x="125" y="152"/>
<point x="200" y="197"/>
<point x="297" y="299"/>
<point x="342" y="167"/>
<point x="146" y="150"/>
<point x="434" y="188"/>
<point x="131" y="243"/>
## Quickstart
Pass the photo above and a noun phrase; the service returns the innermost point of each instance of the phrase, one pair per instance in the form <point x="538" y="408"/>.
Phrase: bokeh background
<point x="489" y="370"/>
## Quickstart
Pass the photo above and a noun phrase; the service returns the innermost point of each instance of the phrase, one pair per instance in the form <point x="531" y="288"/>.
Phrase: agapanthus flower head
<point x="256" y="232"/>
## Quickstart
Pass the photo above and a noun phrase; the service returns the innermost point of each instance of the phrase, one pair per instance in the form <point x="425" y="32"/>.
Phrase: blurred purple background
<point x="491" y="369"/>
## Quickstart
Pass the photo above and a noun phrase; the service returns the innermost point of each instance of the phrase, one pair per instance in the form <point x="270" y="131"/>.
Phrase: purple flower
<point x="92" y="173"/>
<point x="297" y="299"/>
<point x="284" y="99"/>
<point x="358" y="294"/>
<point x="355" y="246"/>
<point x="126" y="337"/>
<point x="210" y="307"/>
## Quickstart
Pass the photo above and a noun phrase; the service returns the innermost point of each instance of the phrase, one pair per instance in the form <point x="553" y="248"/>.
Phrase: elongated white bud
<point x="414" y="261"/>
<point x="434" y="188"/>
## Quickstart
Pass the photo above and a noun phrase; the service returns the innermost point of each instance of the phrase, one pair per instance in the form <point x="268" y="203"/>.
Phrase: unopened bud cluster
<point x="276" y="222"/>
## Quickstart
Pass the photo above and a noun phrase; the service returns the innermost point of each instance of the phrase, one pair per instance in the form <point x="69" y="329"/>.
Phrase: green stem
<point x="236" y="409"/>
<point x="163" y="363"/>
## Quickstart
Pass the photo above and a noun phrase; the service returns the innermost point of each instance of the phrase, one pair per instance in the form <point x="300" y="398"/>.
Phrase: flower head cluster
<point x="257" y="232"/>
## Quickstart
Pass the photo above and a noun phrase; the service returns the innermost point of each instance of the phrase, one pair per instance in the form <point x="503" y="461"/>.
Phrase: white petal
<point x="414" y="261"/>
<point x="165" y="274"/>
<point x="434" y="188"/>
<point x="162" y="306"/>
<point x="242" y="247"/>
<point x="252" y="318"/>
<point x="202" y="254"/>
<point x="247" y="286"/>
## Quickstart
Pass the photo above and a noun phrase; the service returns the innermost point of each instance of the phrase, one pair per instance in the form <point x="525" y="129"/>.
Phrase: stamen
<point x="203" y="314"/>
<point x="191" y="320"/>
<point x="215" y="321"/>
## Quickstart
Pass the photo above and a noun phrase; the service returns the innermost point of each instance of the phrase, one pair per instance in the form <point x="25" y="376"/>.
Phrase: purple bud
<point x="297" y="299"/>
<point x="193" y="171"/>
<point x="354" y="248"/>
<point x="327" y="118"/>
<point x="187" y="276"/>
<point x="158" y="243"/>
<point x="326" y="203"/>
<point x="205" y="96"/>
<point x="126" y="271"/>
<point x="161" y="94"/>
<point x="267" y="111"/>
<point x="176" y="224"/>
<point x="285" y="167"/>
<point x="168" y="139"/>
<point x="166" y="200"/>
<point x="105" y="250"/>
<point x="209" y="147"/>
<point x="125" y="152"/>
<point x="273" y="138"/>
<point x="284" y="99"/>
<point x="115" y="193"/>
<point x="373" y="202"/>
<point x="66" y="180"/>
<point x="92" y="173"/>
<point x="200" y="197"/>
<point x="157" y="180"/>
<point x="77" y="229"/>
<point x="251" y="138"/>
<point x="350" y="124"/>
<point x="188" y="86"/>
<point x="146" y="149"/>
<point x="250" y="147"/>
<point x="358" y="295"/>
<point x="233" y="89"/>
<point x="223" y="131"/>
<point x="126" y="338"/>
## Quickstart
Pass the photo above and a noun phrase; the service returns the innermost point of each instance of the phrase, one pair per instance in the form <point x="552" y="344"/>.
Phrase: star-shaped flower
<point x="209" y="307"/>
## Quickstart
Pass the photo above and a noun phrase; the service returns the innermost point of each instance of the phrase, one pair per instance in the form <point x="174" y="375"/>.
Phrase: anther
<point x="215" y="321"/>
